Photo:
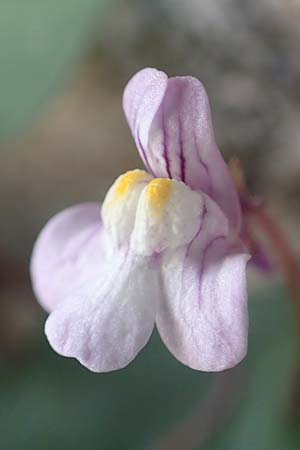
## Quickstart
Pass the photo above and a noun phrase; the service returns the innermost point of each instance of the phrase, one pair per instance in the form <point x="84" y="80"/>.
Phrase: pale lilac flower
<point x="165" y="249"/>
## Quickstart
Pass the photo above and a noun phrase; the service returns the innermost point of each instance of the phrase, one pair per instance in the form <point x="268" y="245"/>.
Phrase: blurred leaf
<point x="55" y="403"/>
<point x="263" y="419"/>
<point x="40" y="42"/>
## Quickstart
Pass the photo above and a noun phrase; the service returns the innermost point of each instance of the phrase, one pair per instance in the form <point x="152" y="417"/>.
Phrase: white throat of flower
<point x="151" y="214"/>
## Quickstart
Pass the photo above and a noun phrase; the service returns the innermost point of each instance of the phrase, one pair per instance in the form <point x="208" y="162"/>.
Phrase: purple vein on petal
<point x="213" y="327"/>
<point x="205" y="250"/>
<point x="209" y="191"/>
<point x="182" y="158"/>
<point x="165" y="144"/>
<point x="203" y="215"/>
<point x="200" y="280"/>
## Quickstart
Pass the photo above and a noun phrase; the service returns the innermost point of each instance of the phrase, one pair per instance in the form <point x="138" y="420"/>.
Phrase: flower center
<point x="158" y="193"/>
<point x="151" y="215"/>
<point x="168" y="216"/>
<point x="128" y="181"/>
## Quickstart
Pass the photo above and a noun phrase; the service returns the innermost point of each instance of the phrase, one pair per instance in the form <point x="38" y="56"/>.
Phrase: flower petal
<point x="141" y="100"/>
<point x="69" y="250"/>
<point x="106" y="326"/>
<point x="171" y="124"/>
<point x="203" y="317"/>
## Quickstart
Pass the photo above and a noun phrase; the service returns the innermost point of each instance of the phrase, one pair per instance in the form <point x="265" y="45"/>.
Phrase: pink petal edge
<point x="70" y="249"/>
<point x="203" y="319"/>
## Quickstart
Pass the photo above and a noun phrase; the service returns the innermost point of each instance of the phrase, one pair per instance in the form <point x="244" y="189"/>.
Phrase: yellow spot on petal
<point x="158" y="193"/>
<point x="128" y="181"/>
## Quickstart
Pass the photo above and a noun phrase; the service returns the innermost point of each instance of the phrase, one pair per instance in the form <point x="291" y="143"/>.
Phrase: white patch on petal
<point x="105" y="324"/>
<point x="168" y="215"/>
<point x="119" y="207"/>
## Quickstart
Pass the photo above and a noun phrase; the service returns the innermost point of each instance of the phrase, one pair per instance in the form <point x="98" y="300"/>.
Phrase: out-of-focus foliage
<point x="55" y="403"/>
<point x="59" y="404"/>
<point x="267" y="417"/>
<point x="40" y="41"/>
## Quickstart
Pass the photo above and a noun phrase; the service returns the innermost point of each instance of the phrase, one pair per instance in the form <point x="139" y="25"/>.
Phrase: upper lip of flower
<point x="103" y="285"/>
<point x="170" y="121"/>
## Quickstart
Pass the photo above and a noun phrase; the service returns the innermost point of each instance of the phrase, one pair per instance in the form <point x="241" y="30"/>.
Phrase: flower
<point x="167" y="250"/>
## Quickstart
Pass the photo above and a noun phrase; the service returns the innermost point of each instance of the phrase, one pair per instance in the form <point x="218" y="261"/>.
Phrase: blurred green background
<point x="64" y="139"/>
